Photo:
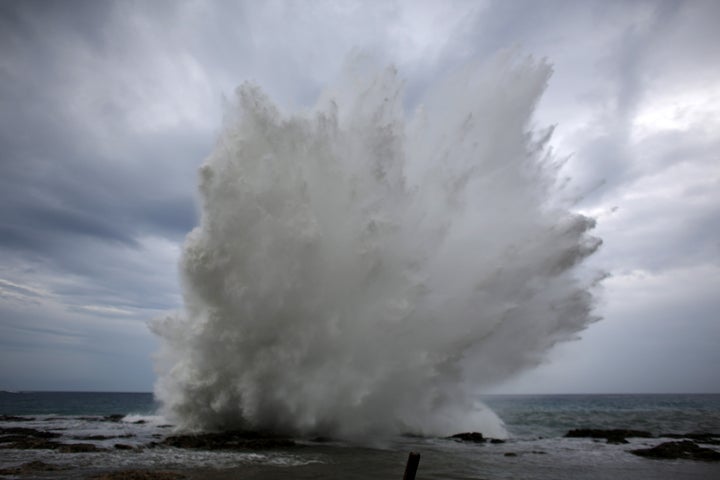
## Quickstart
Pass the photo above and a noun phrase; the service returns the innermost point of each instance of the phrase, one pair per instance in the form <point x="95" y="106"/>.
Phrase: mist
<point x="366" y="268"/>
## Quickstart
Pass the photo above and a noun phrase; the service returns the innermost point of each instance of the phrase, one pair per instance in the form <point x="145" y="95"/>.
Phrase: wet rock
<point x="101" y="437"/>
<point x="617" y="440"/>
<point x="113" y="418"/>
<point x="139" y="475"/>
<point x="475" y="437"/>
<point x="13" y="418"/>
<point x="31" y="467"/>
<point x="12" y="438"/>
<point x="21" y="438"/>
<point x="510" y="454"/>
<point x="28" y="432"/>
<point x="27" y="439"/>
<point x="122" y="446"/>
<point x="228" y="441"/>
<point x="79" y="448"/>
<point x="29" y="443"/>
<point x="676" y="450"/>
<point x="616" y="435"/>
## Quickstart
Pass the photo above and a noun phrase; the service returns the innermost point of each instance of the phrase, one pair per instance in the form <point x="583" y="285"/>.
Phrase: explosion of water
<point x="360" y="271"/>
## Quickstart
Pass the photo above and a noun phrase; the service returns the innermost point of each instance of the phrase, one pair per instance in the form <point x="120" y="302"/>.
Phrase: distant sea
<point x="77" y="403"/>
<point x="536" y="449"/>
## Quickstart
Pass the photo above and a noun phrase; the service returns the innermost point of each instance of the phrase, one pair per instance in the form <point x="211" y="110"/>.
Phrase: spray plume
<point x="360" y="271"/>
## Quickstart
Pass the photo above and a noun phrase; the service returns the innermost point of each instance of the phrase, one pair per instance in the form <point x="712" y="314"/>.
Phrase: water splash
<point x="358" y="270"/>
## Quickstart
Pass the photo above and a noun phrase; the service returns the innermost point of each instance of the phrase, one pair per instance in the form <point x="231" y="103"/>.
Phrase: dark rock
<point x="474" y="437"/>
<point x="30" y="443"/>
<point x="139" y="422"/>
<point x="617" y="440"/>
<point x="27" y="439"/>
<point x="101" y="437"/>
<point x="28" y="432"/>
<point x="13" y="418"/>
<point x="228" y="441"/>
<point x="612" y="436"/>
<point x="674" y="450"/>
<point x="79" y="448"/>
<point x="496" y="440"/>
<point x="31" y="467"/>
<point x="122" y="446"/>
<point x="113" y="418"/>
<point x="139" y="475"/>
<point x="12" y="438"/>
<point x="511" y="454"/>
<point x="93" y="437"/>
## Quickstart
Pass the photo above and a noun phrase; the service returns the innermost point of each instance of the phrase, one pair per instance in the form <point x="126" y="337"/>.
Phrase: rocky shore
<point x="687" y="448"/>
<point x="693" y="446"/>
<point x="684" y="446"/>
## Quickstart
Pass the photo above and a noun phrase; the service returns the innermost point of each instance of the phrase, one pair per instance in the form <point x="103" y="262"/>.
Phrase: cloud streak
<point x="108" y="108"/>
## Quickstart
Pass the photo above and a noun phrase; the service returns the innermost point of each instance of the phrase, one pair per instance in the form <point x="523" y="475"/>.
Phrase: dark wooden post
<point x="412" y="466"/>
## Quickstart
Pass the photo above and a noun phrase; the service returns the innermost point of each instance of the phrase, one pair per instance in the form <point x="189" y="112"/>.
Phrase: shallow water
<point x="536" y="425"/>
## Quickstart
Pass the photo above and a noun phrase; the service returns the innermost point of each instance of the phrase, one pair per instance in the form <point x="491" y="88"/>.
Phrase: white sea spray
<point x="361" y="270"/>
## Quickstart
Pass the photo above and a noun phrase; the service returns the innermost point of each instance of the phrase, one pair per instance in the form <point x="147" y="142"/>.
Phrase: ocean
<point x="121" y="426"/>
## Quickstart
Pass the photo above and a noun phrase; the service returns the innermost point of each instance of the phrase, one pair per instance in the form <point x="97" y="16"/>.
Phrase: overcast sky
<point x="108" y="109"/>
